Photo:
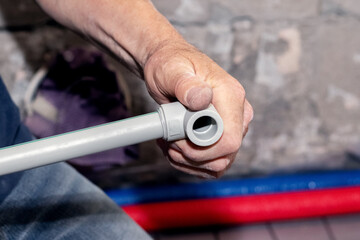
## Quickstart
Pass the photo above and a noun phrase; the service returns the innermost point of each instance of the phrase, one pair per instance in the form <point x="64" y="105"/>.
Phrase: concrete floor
<point x="344" y="227"/>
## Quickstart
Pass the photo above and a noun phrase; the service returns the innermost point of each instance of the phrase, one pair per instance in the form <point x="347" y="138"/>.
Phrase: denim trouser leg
<point x="53" y="202"/>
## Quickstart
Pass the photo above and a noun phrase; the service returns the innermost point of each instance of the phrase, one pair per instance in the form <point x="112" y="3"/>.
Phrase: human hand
<point x="178" y="71"/>
<point x="174" y="70"/>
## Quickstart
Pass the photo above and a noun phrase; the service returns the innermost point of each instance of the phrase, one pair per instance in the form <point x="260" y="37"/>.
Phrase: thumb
<point x="193" y="92"/>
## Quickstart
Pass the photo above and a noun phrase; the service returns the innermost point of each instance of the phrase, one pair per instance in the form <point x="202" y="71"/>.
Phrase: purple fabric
<point x="85" y="93"/>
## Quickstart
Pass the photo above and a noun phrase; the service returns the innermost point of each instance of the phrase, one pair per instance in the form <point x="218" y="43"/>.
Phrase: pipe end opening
<point x="204" y="128"/>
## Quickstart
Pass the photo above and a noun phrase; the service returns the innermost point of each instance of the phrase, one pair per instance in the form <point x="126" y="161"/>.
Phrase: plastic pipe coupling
<point x="203" y="128"/>
<point x="172" y="122"/>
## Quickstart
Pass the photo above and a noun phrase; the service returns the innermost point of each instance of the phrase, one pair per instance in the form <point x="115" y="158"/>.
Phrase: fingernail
<point x="228" y="162"/>
<point x="199" y="98"/>
<point x="174" y="146"/>
<point x="206" y="176"/>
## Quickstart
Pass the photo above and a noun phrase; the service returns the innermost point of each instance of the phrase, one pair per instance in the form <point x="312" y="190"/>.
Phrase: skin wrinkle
<point x="203" y="173"/>
<point x="199" y="98"/>
<point x="202" y="155"/>
<point x="119" y="49"/>
<point x="182" y="78"/>
<point x="189" y="93"/>
<point x="211" y="165"/>
<point x="248" y="117"/>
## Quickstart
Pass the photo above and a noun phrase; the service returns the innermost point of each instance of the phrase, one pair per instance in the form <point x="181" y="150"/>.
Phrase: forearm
<point x="131" y="29"/>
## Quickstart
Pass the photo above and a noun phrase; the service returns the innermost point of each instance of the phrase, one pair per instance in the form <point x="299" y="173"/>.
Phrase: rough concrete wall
<point x="298" y="60"/>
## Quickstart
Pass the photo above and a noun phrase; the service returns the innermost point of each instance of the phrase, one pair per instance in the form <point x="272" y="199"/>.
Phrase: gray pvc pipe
<point x="172" y="122"/>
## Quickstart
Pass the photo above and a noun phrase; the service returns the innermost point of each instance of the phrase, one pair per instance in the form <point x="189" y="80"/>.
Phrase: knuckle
<point x="219" y="174"/>
<point x="232" y="145"/>
<point x="251" y="111"/>
<point x="192" y="154"/>
<point x="240" y="90"/>
<point x="174" y="156"/>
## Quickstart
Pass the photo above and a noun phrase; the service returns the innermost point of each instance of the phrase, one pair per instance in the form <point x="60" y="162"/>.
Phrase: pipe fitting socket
<point x="203" y="128"/>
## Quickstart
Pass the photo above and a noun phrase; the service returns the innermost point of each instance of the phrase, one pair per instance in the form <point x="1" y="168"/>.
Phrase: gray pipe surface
<point x="172" y="122"/>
